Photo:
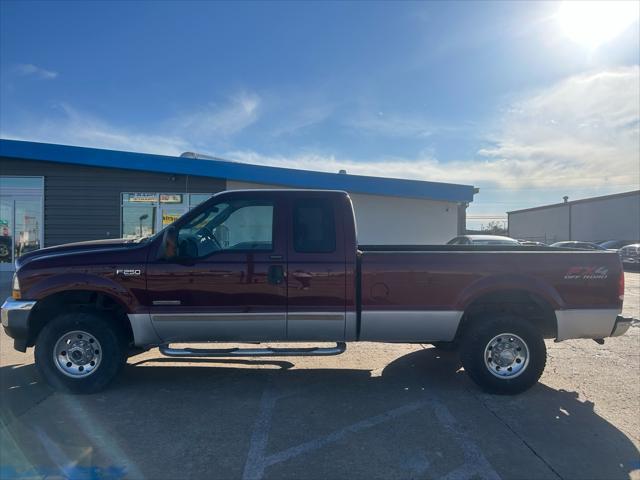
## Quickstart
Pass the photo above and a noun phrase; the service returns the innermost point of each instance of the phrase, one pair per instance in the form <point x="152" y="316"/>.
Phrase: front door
<point x="228" y="281"/>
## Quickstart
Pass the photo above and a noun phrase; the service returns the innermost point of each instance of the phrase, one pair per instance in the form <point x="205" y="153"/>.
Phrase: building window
<point x="314" y="228"/>
<point x="21" y="227"/>
<point x="145" y="213"/>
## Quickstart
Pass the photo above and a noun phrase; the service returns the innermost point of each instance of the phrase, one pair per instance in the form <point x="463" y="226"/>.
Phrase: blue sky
<point x="506" y="96"/>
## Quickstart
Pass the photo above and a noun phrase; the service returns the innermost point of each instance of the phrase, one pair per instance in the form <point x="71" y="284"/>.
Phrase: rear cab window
<point x="314" y="226"/>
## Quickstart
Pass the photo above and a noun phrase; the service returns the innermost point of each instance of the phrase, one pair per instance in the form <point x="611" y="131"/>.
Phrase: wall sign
<point x="170" y="198"/>
<point x="142" y="197"/>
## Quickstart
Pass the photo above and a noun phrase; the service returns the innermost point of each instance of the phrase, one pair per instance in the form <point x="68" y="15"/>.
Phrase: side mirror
<point x="169" y="246"/>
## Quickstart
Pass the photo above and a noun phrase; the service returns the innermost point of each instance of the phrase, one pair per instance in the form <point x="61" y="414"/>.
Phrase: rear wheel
<point x="80" y="352"/>
<point x="503" y="354"/>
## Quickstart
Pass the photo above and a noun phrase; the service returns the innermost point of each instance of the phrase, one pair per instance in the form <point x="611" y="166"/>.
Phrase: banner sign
<point x="168" y="218"/>
<point x="142" y="197"/>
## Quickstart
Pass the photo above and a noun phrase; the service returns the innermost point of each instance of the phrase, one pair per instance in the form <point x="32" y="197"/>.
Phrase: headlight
<point x="15" y="287"/>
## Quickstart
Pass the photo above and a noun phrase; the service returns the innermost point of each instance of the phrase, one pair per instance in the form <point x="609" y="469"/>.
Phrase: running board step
<point x="254" y="352"/>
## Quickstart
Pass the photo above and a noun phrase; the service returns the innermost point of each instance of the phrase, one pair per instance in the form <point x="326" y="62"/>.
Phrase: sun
<point x="592" y="23"/>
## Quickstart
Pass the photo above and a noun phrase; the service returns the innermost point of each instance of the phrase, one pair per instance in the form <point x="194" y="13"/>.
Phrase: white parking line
<point x="475" y="463"/>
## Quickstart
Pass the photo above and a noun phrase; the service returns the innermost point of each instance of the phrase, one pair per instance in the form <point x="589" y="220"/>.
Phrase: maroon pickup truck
<point x="285" y="266"/>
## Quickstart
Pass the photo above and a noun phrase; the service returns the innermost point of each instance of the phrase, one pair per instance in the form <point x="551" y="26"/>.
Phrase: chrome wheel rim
<point x="506" y="356"/>
<point x="77" y="354"/>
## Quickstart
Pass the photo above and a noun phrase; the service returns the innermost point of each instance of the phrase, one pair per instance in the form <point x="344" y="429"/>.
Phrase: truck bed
<point x="423" y="290"/>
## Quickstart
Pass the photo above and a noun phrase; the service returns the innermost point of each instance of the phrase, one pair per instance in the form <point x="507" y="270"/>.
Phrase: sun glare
<point x="592" y="23"/>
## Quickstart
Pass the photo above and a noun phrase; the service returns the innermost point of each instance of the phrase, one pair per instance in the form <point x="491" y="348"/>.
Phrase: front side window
<point x="241" y="225"/>
<point x="314" y="227"/>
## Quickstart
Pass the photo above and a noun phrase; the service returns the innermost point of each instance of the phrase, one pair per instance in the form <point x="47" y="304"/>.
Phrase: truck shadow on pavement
<point x="420" y="417"/>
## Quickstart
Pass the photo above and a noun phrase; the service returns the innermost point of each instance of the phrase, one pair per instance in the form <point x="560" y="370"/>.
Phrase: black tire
<point x="446" y="346"/>
<point x="477" y="338"/>
<point x="113" y="351"/>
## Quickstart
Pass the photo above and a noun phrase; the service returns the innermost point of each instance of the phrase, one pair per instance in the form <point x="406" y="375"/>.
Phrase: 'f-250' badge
<point x="586" y="273"/>
<point x="128" y="272"/>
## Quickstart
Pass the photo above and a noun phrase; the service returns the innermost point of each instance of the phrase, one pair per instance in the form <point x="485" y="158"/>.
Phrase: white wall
<point x="609" y="219"/>
<point x="394" y="220"/>
<point x="547" y="225"/>
<point x="616" y="218"/>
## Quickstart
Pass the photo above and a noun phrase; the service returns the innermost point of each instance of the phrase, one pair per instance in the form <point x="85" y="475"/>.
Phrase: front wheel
<point x="503" y="354"/>
<point x="80" y="352"/>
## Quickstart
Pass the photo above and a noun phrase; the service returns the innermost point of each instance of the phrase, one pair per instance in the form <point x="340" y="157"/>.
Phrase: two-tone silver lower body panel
<point x="586" y="323"/>
<point x="381" y="326"/>
<point x="376" y="326"/>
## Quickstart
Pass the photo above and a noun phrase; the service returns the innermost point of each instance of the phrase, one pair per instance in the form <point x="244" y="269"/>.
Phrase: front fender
<point x="69" y="282"/>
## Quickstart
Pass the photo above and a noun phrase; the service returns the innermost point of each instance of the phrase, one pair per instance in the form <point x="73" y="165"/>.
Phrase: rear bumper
<point x="621" y="325"/>
<point x="15" y="321"/>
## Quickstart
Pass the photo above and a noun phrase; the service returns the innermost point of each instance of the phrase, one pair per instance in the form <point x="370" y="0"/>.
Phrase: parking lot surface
<point x="378" y="411"/>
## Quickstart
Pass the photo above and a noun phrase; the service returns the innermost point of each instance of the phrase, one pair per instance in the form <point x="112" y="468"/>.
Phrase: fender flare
<point x="73" y="282"/>
<point x="509" y="282"/>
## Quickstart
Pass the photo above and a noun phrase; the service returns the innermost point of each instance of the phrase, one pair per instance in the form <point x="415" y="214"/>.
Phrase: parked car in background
<point x="482" y="240"/>
<point x="531" y="243"/>
<point x="616" y="244"/>
<point x="630" y="256"/>
<point x="578" y="245"/>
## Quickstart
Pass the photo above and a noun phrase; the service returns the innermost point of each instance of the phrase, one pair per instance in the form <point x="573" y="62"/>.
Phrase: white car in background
<point x="482" y="240"/>
<point x="630" y="255"/>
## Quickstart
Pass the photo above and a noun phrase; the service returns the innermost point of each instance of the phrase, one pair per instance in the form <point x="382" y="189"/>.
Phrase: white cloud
<point x="583" y="131"/>
<point x="28" y="69"/>
<point x="214" y="121"/>
<point x="391" y="125"/>
<point x="208" y="126"/>
<point x="78" y="128"/>
<point x="301" y="118"/>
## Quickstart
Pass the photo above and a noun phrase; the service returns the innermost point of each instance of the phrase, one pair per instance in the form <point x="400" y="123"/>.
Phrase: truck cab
<point x="255" y="266"/>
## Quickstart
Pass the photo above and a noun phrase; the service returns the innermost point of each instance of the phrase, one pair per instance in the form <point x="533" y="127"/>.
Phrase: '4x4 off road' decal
<point x="586" y="273"/>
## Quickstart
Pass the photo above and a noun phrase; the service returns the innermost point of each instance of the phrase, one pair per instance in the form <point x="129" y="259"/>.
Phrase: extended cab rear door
<point x="316" y="277"/>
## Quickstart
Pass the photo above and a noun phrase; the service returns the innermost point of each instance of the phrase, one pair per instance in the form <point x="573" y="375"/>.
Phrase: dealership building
<point x="53" y="194"/>
<point x="610" y="217"/>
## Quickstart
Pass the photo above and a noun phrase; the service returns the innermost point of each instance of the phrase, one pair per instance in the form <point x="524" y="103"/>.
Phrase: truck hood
<point x="77" y="247"/>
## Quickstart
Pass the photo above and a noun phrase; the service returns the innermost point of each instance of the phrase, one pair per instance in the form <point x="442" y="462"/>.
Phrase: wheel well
<point x="77" y="300"/>
<point x="522" y="303"/>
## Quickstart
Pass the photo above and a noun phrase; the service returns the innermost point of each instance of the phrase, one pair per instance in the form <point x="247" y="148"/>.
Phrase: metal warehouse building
<point x="611" y="217"/>
<point x="53" y="194"/>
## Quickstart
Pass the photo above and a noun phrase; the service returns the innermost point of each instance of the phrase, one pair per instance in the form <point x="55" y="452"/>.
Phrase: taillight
<point x="621" y="286"/>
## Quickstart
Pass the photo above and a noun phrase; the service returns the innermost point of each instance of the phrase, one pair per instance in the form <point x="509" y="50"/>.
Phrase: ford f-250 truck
<point x="285" y="266"/>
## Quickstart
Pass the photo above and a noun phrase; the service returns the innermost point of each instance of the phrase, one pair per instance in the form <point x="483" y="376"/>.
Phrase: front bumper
<point x="621" y="325"/>
<point x="15" y="321"/>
